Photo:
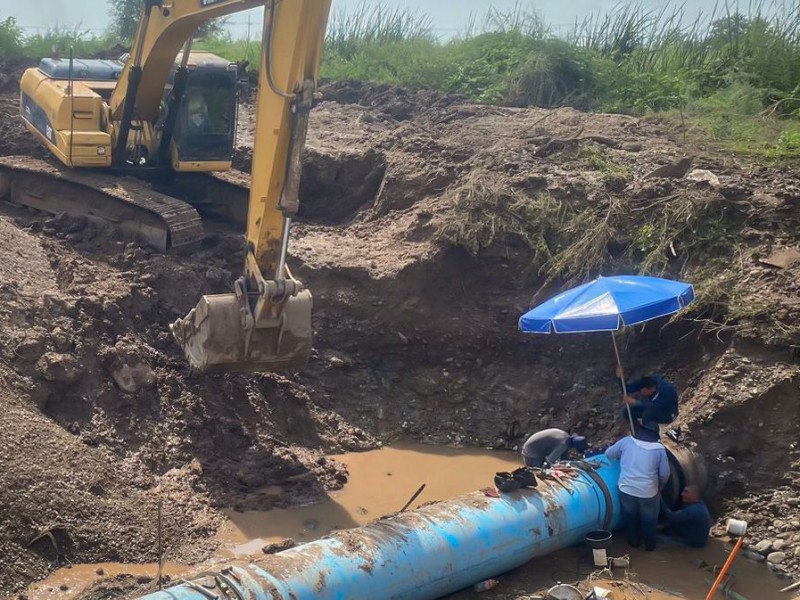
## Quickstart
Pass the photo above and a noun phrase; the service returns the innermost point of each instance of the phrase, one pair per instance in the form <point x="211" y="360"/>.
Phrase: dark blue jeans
<point x="640" y="519"/>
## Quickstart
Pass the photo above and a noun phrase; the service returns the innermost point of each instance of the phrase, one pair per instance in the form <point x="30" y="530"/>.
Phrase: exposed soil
<point x="415" y="319"/>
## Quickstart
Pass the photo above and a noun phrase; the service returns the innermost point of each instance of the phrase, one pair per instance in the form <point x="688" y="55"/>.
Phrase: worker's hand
<point x="619" y="372"/>
<point x="629" y="400"/>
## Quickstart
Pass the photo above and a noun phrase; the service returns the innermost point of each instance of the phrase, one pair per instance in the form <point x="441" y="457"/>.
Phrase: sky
<point x="448" y="17"/>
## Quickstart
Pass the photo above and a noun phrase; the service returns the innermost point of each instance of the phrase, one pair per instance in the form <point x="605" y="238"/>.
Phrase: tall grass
<point x="56" y="40"/>
<point x="725" y="66"/>
<point x="368" y="25"/>
<point x="10" y="37"/>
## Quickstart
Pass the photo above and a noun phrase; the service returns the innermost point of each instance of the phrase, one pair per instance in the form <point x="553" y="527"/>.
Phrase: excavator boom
<point x="266" y="323"/>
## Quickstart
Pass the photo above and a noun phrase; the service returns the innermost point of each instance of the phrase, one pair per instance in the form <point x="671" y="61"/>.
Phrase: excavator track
<point x="220" y="195"/>
<point x="130" y="204"/>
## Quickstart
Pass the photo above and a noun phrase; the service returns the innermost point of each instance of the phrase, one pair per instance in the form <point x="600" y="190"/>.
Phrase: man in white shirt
<point x="644" y="471"/>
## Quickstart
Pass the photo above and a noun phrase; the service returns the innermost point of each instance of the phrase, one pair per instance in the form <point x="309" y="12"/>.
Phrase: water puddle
<point x="383" y="481"/>
<point x="380" y="483"/>
<point x="71" y="582"/>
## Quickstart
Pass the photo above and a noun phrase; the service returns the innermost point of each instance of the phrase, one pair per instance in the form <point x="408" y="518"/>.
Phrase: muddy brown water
<point x="69" y="583"/>
<point x="382" y="481"/>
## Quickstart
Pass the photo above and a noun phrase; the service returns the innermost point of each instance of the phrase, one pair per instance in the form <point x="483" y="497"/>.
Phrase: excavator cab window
<point x="207" y="120"/>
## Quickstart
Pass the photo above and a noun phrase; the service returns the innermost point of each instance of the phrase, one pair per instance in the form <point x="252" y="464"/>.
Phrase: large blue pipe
<point x="429" y="552"/>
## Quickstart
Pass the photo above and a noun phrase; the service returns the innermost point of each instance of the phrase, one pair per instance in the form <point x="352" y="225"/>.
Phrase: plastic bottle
<point x="485" y="585"/>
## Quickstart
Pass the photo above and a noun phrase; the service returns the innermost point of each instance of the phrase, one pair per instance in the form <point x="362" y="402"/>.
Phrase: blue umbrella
<point x="608" y="304"/>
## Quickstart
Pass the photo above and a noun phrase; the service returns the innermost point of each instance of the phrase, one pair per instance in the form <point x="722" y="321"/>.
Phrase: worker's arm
<point x="557" y="453"/>
<point x="615" y="451"/>
<point x="674" y="517"/>
<point x="630" y="388"/>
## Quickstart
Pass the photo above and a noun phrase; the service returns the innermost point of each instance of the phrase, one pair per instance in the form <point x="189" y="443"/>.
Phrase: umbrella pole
<point x="622" y="380"/>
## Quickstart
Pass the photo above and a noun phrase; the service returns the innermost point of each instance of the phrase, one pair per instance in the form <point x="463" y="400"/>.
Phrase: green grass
<point x="13" y="44"/>
<point x="735" y="73"/>
<point x="723" y="70"/>
<point x="596" y="159"/>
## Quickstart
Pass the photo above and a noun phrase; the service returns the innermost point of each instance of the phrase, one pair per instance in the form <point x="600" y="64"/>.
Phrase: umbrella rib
<point x="650" y="318"/>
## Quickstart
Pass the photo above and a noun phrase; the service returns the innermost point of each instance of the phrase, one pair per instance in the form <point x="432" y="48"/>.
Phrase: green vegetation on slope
<point x="735" y="73"/>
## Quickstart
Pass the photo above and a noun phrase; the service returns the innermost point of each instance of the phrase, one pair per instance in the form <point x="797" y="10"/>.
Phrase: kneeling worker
<point x="693" y="522"/>
<point x="551" y="445"/>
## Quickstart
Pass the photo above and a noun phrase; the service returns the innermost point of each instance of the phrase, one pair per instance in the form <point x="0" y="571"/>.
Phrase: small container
<point x="622" y="562"/>
<point x="485" y="585"/>
<point x="599" y="541"/>
<point x="602" y="593"/>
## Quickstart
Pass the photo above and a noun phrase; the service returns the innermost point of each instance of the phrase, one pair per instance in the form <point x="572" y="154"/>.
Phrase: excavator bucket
<point x="214" y="339"/>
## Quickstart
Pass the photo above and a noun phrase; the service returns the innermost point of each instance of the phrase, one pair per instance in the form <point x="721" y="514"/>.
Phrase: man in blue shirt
<point x="652" y="399"/>
<point x="691" y="523"/>
<point x="644" y="471"/>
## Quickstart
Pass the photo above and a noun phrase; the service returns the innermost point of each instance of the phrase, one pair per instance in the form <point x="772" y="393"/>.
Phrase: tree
<point x="10" y="37"/>
<point x="125" y="17"/>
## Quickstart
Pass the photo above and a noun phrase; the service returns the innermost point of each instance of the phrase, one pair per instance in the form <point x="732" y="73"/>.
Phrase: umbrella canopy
<point x="608" y="304"/>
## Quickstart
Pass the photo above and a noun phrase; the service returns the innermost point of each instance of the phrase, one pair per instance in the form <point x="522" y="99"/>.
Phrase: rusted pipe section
<point x="429" y="552"/>
<point x="687" y="468"/>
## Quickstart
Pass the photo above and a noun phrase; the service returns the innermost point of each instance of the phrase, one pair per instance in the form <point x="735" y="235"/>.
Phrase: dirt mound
<point x="101" y="420"/>
<point x="430" y="226"/>
<point x="389" y="101"/>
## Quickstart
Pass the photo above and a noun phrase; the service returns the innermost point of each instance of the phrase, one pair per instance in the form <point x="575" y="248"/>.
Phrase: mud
<point x="75" y="581"/>
<point x="380" y="482"/>
<point x="415" y="329"/>
<point x="672" y="571"/>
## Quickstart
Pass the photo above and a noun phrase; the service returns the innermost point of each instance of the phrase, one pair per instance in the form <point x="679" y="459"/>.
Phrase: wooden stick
<point x="414" y="497"/>
<point x="160" y="547"/>
<point x="789" y="588"/>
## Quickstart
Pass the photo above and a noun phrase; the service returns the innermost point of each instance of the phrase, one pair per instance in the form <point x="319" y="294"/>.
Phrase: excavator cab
<point x="205" y="128"/>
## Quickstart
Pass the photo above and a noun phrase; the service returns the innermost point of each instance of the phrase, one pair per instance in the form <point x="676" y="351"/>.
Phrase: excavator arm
<point x="265" y="324"/>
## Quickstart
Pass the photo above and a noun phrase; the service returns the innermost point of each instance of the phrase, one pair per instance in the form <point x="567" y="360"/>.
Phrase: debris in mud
<point x="783" y="258"/>
<point x="276" y="547"/>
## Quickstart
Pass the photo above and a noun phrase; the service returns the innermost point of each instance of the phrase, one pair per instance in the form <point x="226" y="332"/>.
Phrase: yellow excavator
<point x="171" y="109"/>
